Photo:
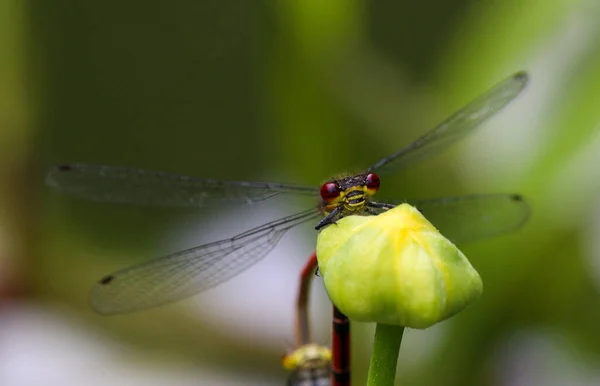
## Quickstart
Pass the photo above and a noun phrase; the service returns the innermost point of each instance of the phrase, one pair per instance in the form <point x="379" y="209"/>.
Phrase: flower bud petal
<point x="395" y="268"/>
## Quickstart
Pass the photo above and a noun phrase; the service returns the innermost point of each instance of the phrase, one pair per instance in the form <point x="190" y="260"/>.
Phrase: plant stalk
<point x="382" y="371"/>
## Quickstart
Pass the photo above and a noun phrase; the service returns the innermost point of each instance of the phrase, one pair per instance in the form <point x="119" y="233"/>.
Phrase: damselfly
<point x="340" y="327"/>
<point x="311" y="366"/>
<point x="309" y="362"/>
<point x="194" y="270"/>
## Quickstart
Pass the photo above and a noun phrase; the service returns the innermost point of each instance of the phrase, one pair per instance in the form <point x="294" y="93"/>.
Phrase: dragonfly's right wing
<point x="460" y="124"/>
<point x="189" y="272"/>
<point x="133" y="186"/>
<point x="466" y="219"/>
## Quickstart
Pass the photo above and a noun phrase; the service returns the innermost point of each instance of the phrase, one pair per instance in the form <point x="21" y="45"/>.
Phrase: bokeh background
<point x="292" y="91"/>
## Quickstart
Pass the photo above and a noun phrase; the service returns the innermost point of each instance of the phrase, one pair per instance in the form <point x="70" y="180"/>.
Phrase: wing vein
<point x="189" y="272"/>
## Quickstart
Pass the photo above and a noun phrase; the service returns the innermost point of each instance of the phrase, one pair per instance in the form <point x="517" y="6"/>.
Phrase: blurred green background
<point x="292" y="91"/>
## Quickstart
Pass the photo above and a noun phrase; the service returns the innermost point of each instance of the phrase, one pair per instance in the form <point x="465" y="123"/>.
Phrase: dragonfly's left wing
<point x="133" y="186"/>
<point x="465" y="219"/>
<point x="189" y="272"/>
<point x="463" y="122"/>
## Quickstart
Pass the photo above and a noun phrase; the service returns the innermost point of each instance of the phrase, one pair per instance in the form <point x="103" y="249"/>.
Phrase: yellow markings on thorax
<point x="352" y="198"/>
<point x="308" y="356"/>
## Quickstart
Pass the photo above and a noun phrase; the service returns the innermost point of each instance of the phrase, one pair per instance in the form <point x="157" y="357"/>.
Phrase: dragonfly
<point x="310" y="363"/>
<point x="339" y="364"/>
<point x="191" y="271"/>
<point x="310" y="366"/>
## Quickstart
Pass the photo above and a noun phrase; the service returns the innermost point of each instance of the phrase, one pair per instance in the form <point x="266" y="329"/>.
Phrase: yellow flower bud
<point x="395" y="268"/>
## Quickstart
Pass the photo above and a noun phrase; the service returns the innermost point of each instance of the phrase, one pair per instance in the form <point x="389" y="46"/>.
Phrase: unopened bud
<point x="395" y="268"/>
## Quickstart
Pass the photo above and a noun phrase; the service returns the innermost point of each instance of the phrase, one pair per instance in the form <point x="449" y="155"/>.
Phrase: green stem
<point x="384" y="358"/>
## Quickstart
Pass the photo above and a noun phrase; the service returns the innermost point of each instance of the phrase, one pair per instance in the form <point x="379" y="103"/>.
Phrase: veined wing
<point x="141" y="187"/>
<point x="456" y="127"/>
<point x="189" y="272"/>
<point x="466" y="219"/>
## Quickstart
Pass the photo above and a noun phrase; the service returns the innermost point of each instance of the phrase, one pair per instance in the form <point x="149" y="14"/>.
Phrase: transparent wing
<point x="189" y="272"/>
<point x="133" y="186"/>
<point x="456" y="127"/>
<point x="466" y="219"/>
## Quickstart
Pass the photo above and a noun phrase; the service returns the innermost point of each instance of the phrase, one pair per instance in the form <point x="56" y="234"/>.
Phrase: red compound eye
<point x="330" y="191"/>
<point x="372" y="181"/>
